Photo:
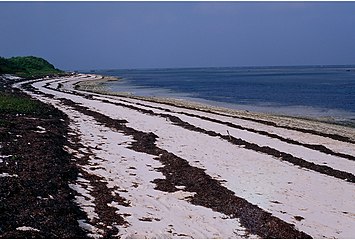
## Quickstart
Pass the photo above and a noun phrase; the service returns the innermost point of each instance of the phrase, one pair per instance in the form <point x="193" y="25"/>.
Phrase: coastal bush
<point x="27" y="67"/>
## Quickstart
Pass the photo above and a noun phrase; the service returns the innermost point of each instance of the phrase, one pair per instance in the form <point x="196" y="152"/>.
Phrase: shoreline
<point x="321" y="123"/>
<point x="339" y="117"/>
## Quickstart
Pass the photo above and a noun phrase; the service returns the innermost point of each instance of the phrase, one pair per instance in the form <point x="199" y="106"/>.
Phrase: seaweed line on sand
<point x="209" y="192"/>
<point x="237" y="141"/>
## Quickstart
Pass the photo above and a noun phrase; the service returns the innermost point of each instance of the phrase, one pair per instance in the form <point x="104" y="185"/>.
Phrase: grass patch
<point x="18" y="104"/>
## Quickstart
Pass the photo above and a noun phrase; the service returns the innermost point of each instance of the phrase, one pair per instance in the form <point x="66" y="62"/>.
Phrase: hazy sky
<point x="102" y="35"/>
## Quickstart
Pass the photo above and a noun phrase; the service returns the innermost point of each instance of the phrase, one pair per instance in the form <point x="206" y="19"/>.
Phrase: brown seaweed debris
<point x="39" y="196"/>
<point x="209" y="192"/>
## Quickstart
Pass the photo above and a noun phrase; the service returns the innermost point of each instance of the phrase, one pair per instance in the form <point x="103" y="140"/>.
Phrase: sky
<point x="124" y="35"/>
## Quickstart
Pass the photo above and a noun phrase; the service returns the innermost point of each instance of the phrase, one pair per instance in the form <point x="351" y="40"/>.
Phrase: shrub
<point x="27" y="67"/>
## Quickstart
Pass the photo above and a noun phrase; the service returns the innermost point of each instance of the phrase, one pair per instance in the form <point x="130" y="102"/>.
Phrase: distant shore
<point x="95" y="85"/>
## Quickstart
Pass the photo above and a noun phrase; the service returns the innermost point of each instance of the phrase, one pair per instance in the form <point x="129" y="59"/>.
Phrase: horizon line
<point x="253" y="66"/>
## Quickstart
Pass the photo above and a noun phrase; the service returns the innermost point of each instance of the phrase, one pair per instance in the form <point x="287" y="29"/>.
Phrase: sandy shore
<point x="95" y="85"/>
<point x="160" y="168"/>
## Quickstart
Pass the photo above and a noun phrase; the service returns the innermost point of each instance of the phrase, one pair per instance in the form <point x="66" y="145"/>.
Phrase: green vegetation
<point x="22" y="104"/>
<point x="27" y="67"/>
<point x="17" y="104"/>
<point x="12" y="101"/>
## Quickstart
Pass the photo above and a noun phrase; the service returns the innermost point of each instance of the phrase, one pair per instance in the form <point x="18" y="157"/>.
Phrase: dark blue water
<point x="313" y="90"/>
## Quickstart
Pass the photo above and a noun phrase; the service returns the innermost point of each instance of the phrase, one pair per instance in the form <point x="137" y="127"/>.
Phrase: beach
<point x="165" y="168"/>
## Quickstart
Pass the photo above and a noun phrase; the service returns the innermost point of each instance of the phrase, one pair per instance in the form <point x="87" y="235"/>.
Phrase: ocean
<point x="303" y="91"/>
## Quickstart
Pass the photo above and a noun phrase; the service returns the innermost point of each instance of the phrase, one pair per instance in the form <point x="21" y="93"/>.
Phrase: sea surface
<point x="304" y="91"/>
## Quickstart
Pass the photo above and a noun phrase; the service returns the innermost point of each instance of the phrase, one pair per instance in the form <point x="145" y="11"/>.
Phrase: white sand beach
<point x="299" y="172"/>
